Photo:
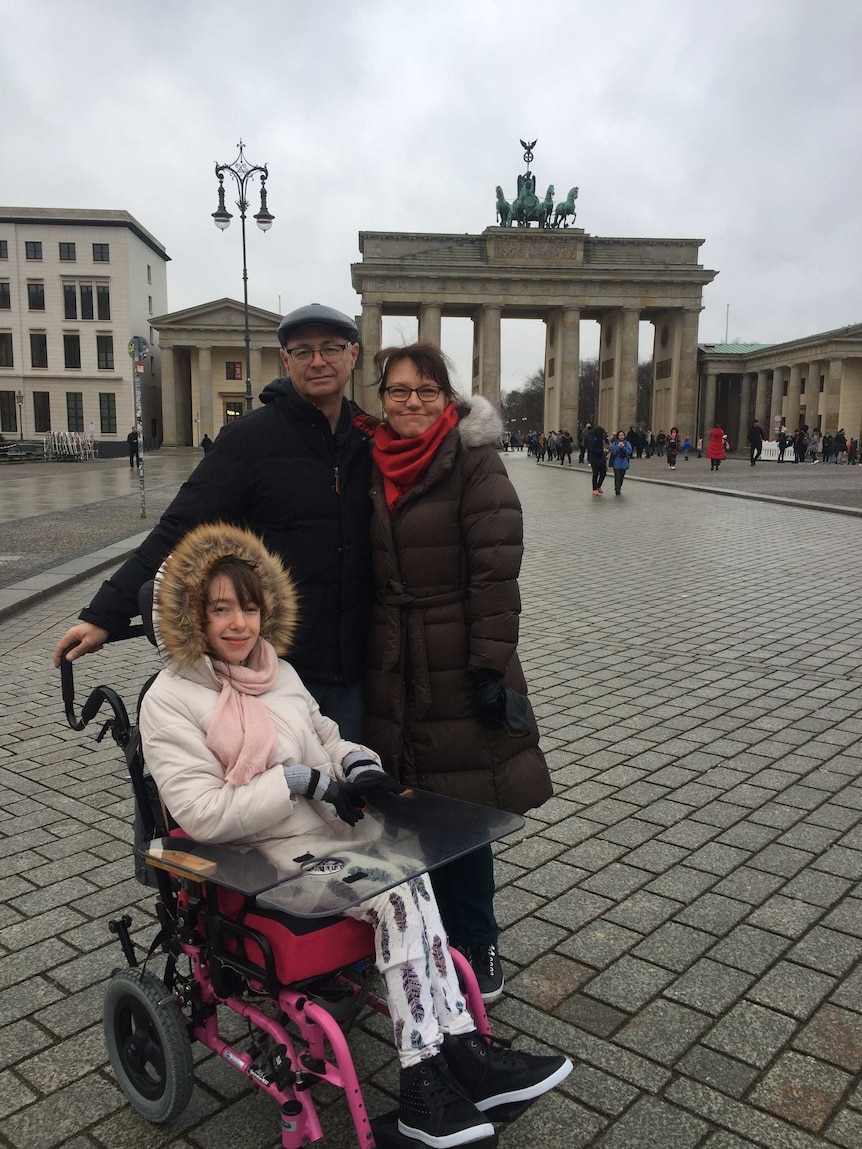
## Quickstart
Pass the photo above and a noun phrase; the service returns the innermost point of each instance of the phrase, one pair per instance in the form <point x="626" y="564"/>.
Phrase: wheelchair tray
<point x="316" y="875"/>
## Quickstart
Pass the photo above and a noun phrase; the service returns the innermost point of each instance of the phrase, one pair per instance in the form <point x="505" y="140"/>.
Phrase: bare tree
<point x="643" y="409"/>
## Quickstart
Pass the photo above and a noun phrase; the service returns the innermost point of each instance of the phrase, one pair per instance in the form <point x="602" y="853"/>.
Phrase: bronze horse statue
<point x="564" y="209"/>
<point x="528" y="208"/>
<point x="504" y="209"/>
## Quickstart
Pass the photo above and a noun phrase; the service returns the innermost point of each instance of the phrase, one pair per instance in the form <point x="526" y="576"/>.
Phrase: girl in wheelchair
<point x="242" y="755"/>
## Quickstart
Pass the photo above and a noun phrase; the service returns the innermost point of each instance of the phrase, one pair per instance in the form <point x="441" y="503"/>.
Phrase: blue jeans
<point x="345" y="705"/>
<point x="465" y="896"/>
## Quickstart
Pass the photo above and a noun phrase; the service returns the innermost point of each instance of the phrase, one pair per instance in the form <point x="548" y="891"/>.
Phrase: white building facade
<point x="75" y="286"/>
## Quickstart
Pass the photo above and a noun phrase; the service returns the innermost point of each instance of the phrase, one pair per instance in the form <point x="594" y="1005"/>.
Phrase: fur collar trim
<point x="178" y="617"/>
<point x="480" y="422"/>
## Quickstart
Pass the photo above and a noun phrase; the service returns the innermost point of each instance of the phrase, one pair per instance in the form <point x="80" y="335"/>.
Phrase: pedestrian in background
<point x="814" y="440"/>
<point x="672" y="445"/>
<point x="660" y="441"/>
<point x="564" y="447"/>
<point x="597" y="455"/>
<point x="585" y="441"/>
<point x="621" y="452"/>
<point x="715" y="452"/>
<point x="206" y="443"/>
<point x="755" y="442"/>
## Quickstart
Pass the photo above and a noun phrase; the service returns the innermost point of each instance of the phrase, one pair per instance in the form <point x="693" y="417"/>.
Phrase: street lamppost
<point x="243" y="172"/>
<point x="19" y="399"/>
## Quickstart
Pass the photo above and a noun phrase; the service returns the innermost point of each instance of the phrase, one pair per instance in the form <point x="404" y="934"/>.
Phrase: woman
<point x="241" y="754"/>
<point x="715" y="452"/>
<point x="621" y="452"/>
<point x="446" y="704"/>
<point x="672" y="446"/>
<point x="597" y="457"/>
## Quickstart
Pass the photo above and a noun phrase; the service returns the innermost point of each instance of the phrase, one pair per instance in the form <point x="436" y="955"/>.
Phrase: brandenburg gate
<point x="560" y="276"/>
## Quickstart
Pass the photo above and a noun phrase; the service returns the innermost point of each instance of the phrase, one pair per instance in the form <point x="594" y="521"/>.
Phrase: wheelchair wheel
<point x="148" y="1045"/>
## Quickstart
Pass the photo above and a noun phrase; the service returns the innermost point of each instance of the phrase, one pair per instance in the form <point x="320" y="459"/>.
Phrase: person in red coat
<point x="715" y="452"/>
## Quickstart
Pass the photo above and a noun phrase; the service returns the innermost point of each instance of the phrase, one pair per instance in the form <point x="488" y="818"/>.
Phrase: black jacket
<point x="280" y="472"/>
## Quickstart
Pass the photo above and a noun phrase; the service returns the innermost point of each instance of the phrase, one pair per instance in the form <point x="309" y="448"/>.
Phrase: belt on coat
<point x="404" y="609"/>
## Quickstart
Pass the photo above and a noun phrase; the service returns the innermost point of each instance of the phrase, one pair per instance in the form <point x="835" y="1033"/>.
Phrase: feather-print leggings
<point x="425" y="1000"/>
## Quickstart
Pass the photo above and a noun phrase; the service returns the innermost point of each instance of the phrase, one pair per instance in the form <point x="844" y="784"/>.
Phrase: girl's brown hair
<point x="428" y="360"/>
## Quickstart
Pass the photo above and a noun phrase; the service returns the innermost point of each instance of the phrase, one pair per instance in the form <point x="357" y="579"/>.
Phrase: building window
<point x="6" y="357"/>
<point x="108" y="412"/>
<point x="103" y="301"/>
<point x="822" y="384"/>
<point x="149" y="274"/>
<point x="86" y="300"/>
<point x="784" y="389"/>
<point x="33" y="249"/>
<point x="72" y="353"/>
<point x="4" y="248"/>
<point x="38" y="349"/>
<point x="101" y="253"/>
<point x="233" y="370"/>
<point x="70" y="301"/>
<point x="67" y="252"/>
<point x="5" y="297"/>
<point x="75" y="410"/>
<point x="801" y="386"/>
<point x="8" y="412"/>
<point x="41" y="411"/>
<point x="36" y="296"/>
<point x="150" y="303"/>
<point x="105" y="352"/>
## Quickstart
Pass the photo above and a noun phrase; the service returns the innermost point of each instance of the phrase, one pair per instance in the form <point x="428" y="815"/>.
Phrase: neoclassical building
<point x="816" y="380"/>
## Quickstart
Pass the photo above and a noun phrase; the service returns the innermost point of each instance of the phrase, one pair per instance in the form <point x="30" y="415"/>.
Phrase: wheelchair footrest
<point x="386" y="1135"/>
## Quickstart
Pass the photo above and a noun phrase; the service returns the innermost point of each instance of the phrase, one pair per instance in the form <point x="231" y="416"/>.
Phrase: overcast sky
<point x="735" y="121"/>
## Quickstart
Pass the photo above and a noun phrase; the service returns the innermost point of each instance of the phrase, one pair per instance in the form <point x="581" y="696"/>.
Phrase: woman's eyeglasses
<point x="427" y="393"/>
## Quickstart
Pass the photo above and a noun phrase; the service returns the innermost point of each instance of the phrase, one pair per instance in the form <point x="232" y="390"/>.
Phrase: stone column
<point x="791" y="411"/>
<point x="832" y="396"/>
<point x="761" y="410"/>
<point x="486" y="345"/>
<point x="430" y="316"/>
<point x="551" y="407"/>
<point x="708" y="408"/>
<point x="569" y="370"/>
<point x="372" y="339"/>
<point x="169" y="399"/>
<point x="627" y="378"/>
<point x="257" y="383"/>
<point x="203" y="400"/>
<point x="685" y="411"/>
<point x="812" y="395"/>
<point x="777" y="407"/>
<point x="744" y="412"/>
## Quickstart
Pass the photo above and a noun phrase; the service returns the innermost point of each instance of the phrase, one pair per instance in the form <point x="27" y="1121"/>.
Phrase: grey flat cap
<point x="316" y="315"/>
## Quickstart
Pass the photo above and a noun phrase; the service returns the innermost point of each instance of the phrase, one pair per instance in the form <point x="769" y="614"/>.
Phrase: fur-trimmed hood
<point x="480" y="422"/>
<point x="178" y="593"/>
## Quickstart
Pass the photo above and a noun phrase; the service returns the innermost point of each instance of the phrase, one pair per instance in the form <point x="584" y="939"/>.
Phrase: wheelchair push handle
<point x="119" y="725"/>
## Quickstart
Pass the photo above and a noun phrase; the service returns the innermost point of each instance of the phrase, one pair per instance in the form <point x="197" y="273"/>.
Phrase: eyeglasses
<point x="331" y="353"/>
<point x="427" y="393"/>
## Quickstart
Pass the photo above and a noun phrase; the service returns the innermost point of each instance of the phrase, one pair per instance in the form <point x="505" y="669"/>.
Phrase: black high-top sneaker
<point x="435" y="1111"/>
<point x="489" y="973"/>
<point x="491" y="1074"/>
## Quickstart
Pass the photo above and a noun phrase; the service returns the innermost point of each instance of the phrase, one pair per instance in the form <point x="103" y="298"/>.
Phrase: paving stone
<point x="790" y="917"/>
<point x="643" y="911"/>
<point x="593" y="1016"/>
<point x="674" y="946"/>
<point x="709" y="986"/>
<point x="846" y="1129"/>
<point x="752" y="1033"/>
<point x="817" y="887"/>
<point x="682" y="883"/>
<point x="599" y="1090"/>
<point x="749" y="949"/>
<point x="792" y="989"/>
<point x="841" y="861"/>
<point x="629" y="983"/>
<point x="549" y="980"/>
<point x="802" y="1090"/>
<point x="652" y="1123"/>
<point x="827" y="950"/>
<point x="575" y="908"/>
<point x="528" y="939"/>
<point x="599" y="943"/>
<point x="712" y="1068"/>
<point x="616" y="881"/>
<point x="833" y="1035"/>
<point x="54" y="1120"/>
<point x="663" y="1031"/>
<point x="713" y="913"/>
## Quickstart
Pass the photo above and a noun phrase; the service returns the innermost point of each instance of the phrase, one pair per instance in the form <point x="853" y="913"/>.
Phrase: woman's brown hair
<point x="428" y="360"/>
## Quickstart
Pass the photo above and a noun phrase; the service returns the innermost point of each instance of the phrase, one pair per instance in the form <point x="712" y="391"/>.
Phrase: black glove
<point x="370" y="783"/>
<point x="305" y="780"/>
<point x="489" y="697"/>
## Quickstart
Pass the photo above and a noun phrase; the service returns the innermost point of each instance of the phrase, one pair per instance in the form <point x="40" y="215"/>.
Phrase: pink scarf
<point x="241" y="734"/>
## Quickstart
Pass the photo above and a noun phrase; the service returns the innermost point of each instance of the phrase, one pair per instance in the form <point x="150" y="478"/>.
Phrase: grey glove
<point x="313" y="784"/>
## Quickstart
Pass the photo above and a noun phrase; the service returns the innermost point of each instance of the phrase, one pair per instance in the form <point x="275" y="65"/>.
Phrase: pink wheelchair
<point x="266" y="941"/>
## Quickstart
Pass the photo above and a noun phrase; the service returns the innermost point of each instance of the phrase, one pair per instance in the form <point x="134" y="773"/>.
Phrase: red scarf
<point x="403" y="462"/>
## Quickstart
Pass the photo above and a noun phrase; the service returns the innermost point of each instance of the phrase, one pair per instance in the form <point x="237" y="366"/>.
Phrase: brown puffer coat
<point x="446" y="565"/>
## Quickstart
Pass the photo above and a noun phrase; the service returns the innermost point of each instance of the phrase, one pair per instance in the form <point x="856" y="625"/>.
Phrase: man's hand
<point x="89" y="638"/>
<point x="370" y="783"/>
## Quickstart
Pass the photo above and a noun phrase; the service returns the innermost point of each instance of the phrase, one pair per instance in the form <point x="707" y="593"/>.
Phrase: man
<point x="755" y="442"/>
<point x="132" y="440"/>
<point x="296" y="471"/>
<point x="585" y="441"/>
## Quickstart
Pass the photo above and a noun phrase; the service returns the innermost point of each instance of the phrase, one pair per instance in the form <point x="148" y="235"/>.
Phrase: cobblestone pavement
<point x="682" y="918"/>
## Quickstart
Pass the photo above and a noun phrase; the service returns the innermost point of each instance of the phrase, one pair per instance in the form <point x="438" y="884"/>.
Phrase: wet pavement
<point x="682" y="918"/>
